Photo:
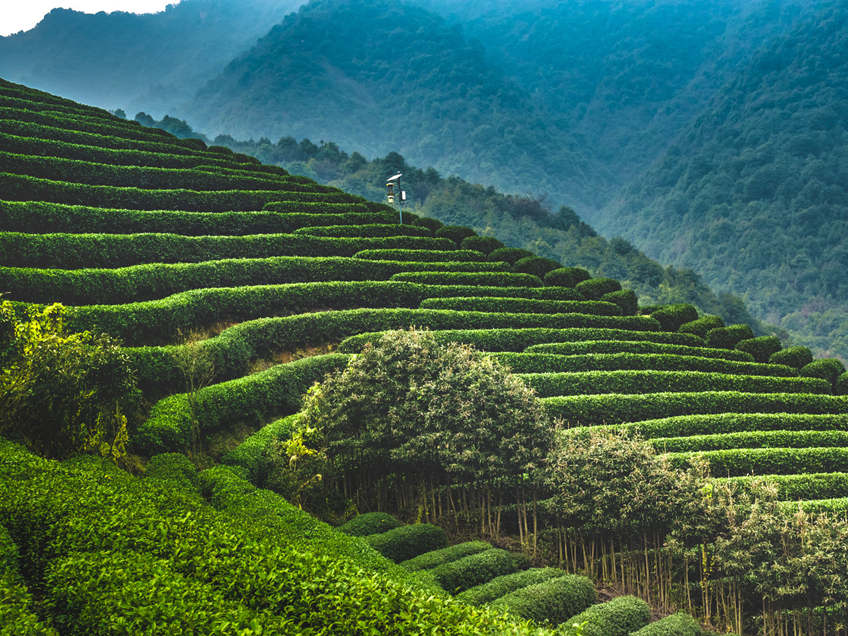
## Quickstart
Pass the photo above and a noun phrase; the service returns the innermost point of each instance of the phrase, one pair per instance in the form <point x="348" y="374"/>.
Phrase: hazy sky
<point x="21" y="15"/>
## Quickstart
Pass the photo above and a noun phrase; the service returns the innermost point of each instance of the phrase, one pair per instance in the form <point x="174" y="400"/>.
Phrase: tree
<point x="60" y="392"/>
<point x="418" y="425"/>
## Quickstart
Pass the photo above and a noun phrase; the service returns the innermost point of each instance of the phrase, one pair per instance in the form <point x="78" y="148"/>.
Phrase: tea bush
<point x="568" y="277"/>
<point x="796" y="357"/>
<point x="430" y="560"/>
<point x="702" y="325"/>
<point x="613" y="346"/>
<point x="484" y="244"/>
<point x="672" y="317"/>
<point x="727" y="337"/>
<point x="370" y="523"/>
<point x="621" y="616"/>
<point x="535" y="265"/>
<point x="761" y="348"/>
<point x="420" y="256"/>
<point x="522" y="305"/>
<point x="371" y="230"/>
<point x="406" y="542"/>
<point x="551" y="601"/>
<point x="625" y="299"/>
<point x="506" y="583"/>
<point x="679" y="624"/>
<point x="474" y="569"/>
<point x="595" y="288"/>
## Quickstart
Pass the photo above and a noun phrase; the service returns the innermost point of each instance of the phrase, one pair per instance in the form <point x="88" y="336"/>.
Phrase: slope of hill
<point x="515" y="220"/>
<point x="753" y="194"/>
<point x="146" y="237"/>
<point x="149" y="61"/>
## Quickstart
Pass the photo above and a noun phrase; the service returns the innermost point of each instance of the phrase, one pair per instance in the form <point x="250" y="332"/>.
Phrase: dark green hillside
<point x="152" y="60"/>
<point x="753" y="194"/>
<point x="230" y="303"/>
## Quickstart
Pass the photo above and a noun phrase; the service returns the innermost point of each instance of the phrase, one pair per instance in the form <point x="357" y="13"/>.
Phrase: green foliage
<point x="474" y="569"/>
<point x="498" y="339"/>
<point x="679" y="624"/>
<point x="439" y="413"/>
<point x="497" y="279"/>
<point x="435" y="558"/>
<point x="702" y="325"/>
<point x="638" y="381"/>
<point x="522" y="305"/>
<point x="551" y="601"/>
<point x="595" y="288"/>
<point x="320" y="207"/>
<point x="621" y="616"/>
<point x="768" y="461"/>
<point x="531" y="362"/>
<point x="175" y="467"/>
<point x="672" y="317"/>
<point x="251" y="456"/>
<point x="686" y="425"/>
<point x="761" y="348"/>
<point x="456" y="233"/>
<point x="506" y="583"/>
<point x="63" y="393"/>
<point x="727" y="337"/>
<point x="485" y="244"/>
<point x="17" y="613"/>
<point x="795" y="357"/>
<point x="751" y="439"/>
<point x="840" y="387"/>
<point x="611" y="346"/>
<point x="250" y="400"/>
<point x="365" y="230"/>
<point x="123" y="250"/>
<point x="406" y="542"/>
<point x="509" y="254"/>
<point x="567" y="277"/>
<point x="828" y="369"/>
<point x="535" y="265"/>
<point x="625" y="299"/>
<point x="370" y="523"/>
<point x="421" y="256"/>
<point x="34" y="216"/>
<point x="592" y="410"/>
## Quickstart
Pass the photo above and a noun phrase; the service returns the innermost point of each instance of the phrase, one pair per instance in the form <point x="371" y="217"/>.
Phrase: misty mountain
<point x="149" y="61"/>
<point x="380" y="76"/>
<point x="754" y="193"/>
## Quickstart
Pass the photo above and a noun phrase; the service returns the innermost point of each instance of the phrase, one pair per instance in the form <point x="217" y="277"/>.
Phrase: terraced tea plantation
<point x="279" y="280"/>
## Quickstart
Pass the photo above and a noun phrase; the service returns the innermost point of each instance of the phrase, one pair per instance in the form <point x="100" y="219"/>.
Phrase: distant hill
<point x="150" y="61"/>
<point x="754" y="194"/>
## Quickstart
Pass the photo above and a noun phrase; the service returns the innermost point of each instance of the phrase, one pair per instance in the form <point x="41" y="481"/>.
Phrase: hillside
<point x="752" y="195"/>
<point x="515" y="220"/>
<point x="147" y="237"/>
<point x="124" y="60"/>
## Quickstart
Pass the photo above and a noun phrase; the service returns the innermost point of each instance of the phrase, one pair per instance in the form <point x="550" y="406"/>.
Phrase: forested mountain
<point x="516" y="220"/>
<point x="754" y="194"/>
<point x="150" y="61"/>
<point x="382" y="76"/>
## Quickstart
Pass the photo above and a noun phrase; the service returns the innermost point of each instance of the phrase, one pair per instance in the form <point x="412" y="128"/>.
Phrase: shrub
<point x="370" y="523"/>
<point x="485" y="244"/>
<point x="613" y="346"/>
<point x="535" y="265"/>
<point x="474" y="569"/>
<point x="63" y="393"/>
<point x="795" y="357"/>
<point x="702" y="325"/>
<point x="498" y="279"/>
<point x="840" y="387"/>
<point x="567" y="276"/>
<point x="88" y="593"/>
<point x="761" y="348"/>
<point x="432" y="224"/>
<point x="625" y="299"/>
<point x="420" y="256"/>
<point x="531" y="362"/>
<point x="365" y="230"/>
<point x="679" y="624"/>
<point x="509" y="254"/>
<point x="522" y="305"/>
<point x="316" y="207"/>
<point x="516" y="339"/>
<point x="713" y="424"/>
<point x="506" y="583"/>
<point x="455" y="233"/>
<point x="551" y="601"/>
<point x="250" y="400"/>
<point x="175" y="467"/>
<point x="122" y="250"/>
<point x="430" y="560"/>
<point x="769" y="461"/>
<point x="591" y="410"/>
<point x="727" y="337"/>
<point x="751" y="439"/>
<point x="619" y="617"/>
<point x="638" y="381"/>
<point x="17" y="612"/>
<point x="406" y="542"/>
<point x="594" y="288"/>
<point x="672" y="317"/>
<point x="250" y="455"/>
<point x="827" y="369"/>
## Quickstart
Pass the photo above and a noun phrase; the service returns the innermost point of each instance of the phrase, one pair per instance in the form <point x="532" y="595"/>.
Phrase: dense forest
<point x="754" y="195"/>
<point x="516" y="220"/>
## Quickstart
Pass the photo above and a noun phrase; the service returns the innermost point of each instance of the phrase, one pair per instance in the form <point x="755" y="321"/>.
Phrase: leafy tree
<point x="61" y="392"/>
<point x="414" y="424"/>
